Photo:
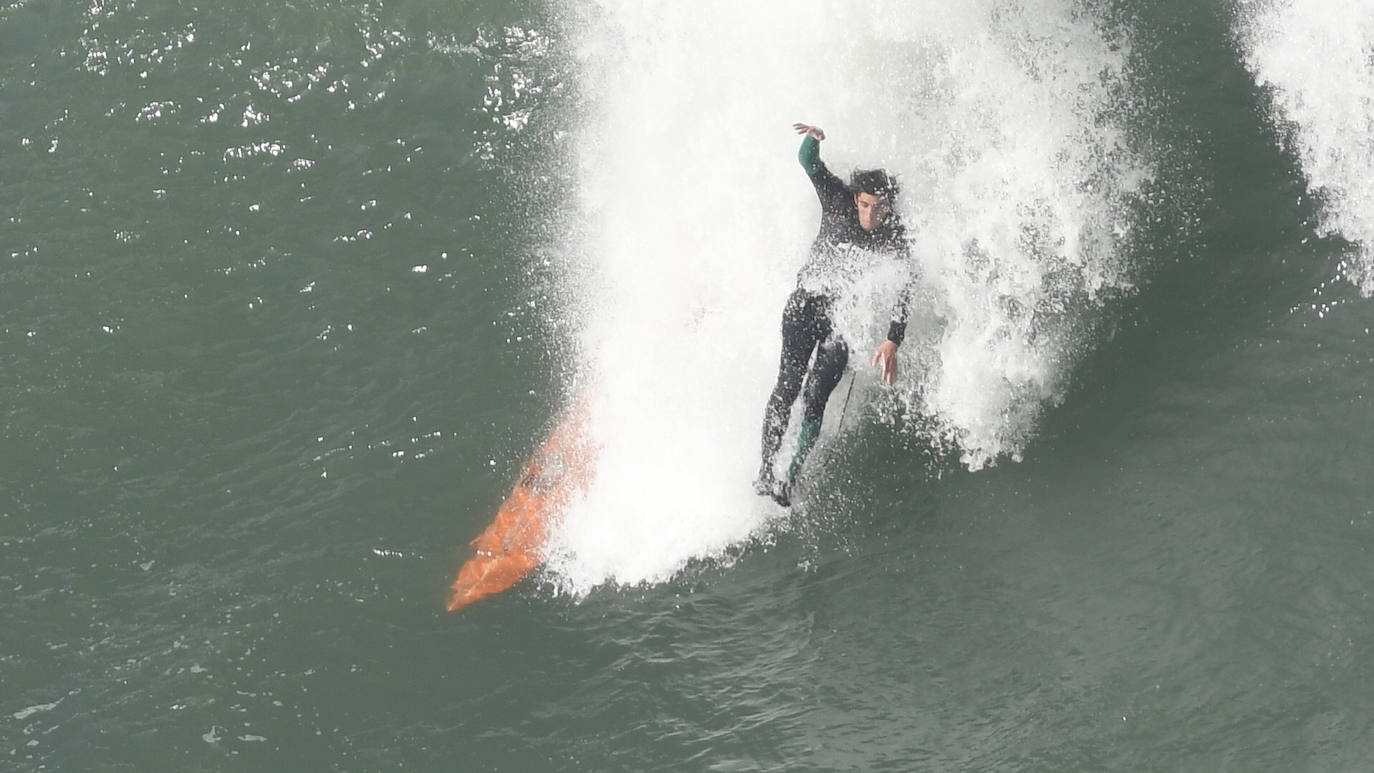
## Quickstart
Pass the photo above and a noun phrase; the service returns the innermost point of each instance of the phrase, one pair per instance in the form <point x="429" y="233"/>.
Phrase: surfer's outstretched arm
<point x="886" y="356"/>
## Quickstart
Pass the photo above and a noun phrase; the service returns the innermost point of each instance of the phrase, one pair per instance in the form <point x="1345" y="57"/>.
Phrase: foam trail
<point x="997" y="117"/>
<point x="1316" y="57"/>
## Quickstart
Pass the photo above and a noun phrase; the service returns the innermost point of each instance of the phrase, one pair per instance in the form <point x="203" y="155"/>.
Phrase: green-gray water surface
<point x="275" y="340"/>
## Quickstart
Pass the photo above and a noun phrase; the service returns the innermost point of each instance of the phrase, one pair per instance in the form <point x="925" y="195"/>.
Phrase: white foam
<point x="31" y="710"/>
<point x="998" y="120"/>
<point x="1316" y="58"/>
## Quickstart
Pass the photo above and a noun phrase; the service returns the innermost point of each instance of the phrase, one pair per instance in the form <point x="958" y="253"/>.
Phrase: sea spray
<point x="1316" y="61"/>
<point x="1004" y="125"/>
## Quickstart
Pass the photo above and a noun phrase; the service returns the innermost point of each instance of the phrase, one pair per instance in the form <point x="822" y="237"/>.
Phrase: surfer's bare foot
<point x="768" y="486"/>
<point x="780" y="495"/>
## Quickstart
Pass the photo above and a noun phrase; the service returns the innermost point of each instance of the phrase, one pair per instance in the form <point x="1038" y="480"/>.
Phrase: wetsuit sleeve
<point x="809" y="154"/>
<point x="829" y="188"/>
<point x="896" y="330"/>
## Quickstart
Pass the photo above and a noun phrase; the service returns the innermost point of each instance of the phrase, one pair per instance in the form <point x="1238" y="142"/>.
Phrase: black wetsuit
<point x="806" y="319"/>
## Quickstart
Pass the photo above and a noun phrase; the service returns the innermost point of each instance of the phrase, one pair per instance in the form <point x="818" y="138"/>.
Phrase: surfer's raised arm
<point x="830" y="189"/>
<point x="810" y="153"/>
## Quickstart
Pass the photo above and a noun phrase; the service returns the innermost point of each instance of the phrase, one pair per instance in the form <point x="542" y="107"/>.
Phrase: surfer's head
<point x="874" y="193"/>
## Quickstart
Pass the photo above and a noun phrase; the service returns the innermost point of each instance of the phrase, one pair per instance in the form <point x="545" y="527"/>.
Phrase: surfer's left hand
<point x="886" y="359"/>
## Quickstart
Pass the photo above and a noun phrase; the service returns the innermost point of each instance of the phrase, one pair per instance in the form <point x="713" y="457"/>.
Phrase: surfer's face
<point x="872" y="210"/>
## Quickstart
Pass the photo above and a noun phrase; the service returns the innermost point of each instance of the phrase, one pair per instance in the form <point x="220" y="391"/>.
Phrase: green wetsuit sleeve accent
<point x="831" y="190"/>
<point x="810" y="155"/>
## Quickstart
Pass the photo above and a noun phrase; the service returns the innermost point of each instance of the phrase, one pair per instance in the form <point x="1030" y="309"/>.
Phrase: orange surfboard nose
<point x="513" y="545"/>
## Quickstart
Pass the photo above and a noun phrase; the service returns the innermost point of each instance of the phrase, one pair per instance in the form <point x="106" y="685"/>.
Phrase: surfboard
<point x="513" y="545"/>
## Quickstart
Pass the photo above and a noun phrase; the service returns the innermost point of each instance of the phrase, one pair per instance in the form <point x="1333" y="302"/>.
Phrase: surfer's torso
<point x="842" y="250"/>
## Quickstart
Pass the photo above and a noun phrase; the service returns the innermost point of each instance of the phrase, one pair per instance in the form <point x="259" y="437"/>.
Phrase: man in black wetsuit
<point x="854" y="217"/>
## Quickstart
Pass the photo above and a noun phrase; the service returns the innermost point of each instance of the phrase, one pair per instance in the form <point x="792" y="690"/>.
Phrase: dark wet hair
<point x="875" y="182"/>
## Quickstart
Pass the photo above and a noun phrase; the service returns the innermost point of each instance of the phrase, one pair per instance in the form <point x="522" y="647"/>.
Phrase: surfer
<point x="854" y="217"/>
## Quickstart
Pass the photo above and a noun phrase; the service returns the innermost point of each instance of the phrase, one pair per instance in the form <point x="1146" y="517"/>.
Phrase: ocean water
<point x="289" y="292"/>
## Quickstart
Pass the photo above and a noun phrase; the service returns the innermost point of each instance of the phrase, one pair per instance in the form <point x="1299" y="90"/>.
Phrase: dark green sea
<point x="290" y="292"/>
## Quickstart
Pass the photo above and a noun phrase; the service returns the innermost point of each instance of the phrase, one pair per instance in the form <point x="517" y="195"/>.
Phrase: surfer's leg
<point x="831" y="358"/>
<point x="799" y="337"/>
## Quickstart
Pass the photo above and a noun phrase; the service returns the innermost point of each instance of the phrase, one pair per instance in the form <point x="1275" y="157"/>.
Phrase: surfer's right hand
<point x="814" y="131"/>
<point x="886" y="360"/>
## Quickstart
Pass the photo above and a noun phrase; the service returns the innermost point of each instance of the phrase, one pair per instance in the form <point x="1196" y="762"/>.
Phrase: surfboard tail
<point x="487" y="575"/>
<point x="507" y="550"/>
<point x="513" y="545"/>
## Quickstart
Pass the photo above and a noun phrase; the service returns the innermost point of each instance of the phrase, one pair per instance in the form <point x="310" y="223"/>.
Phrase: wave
<point x="1315" y="59"/>
<point x="1009" y="126"/>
